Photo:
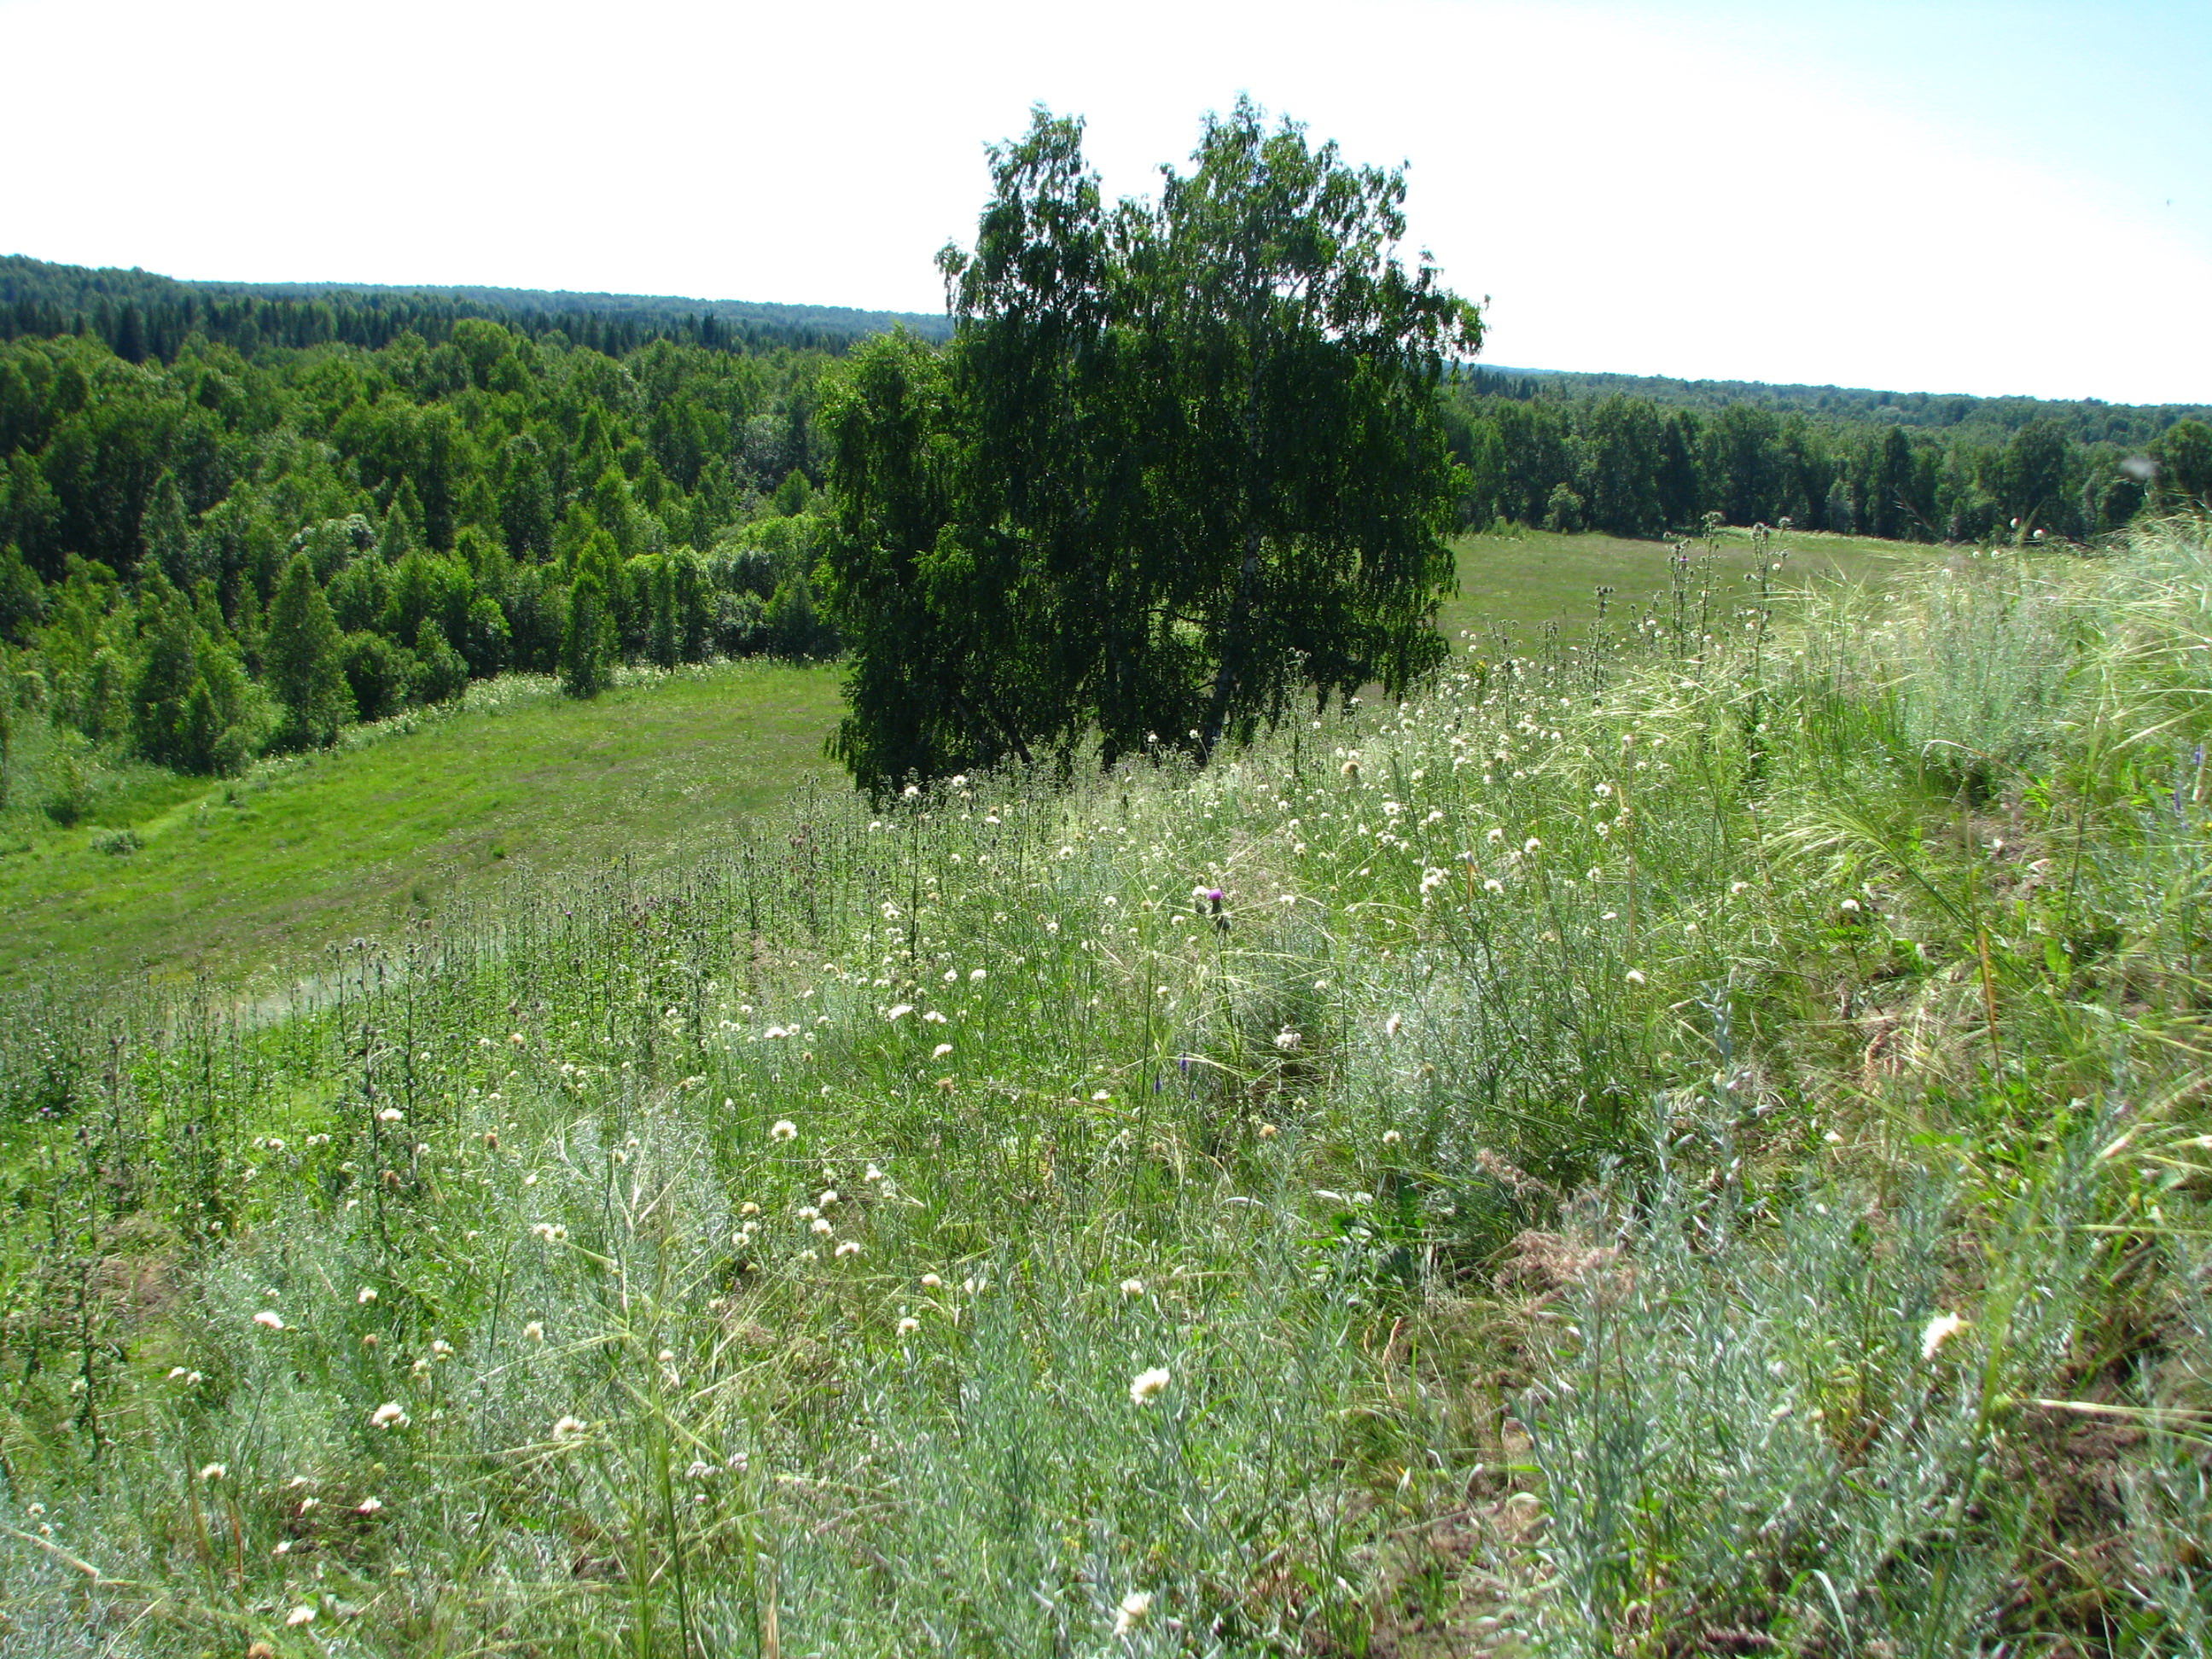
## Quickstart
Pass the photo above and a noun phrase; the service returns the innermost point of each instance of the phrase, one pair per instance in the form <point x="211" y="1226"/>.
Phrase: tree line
<point x="140" y="314"/>
<point x="1631" y="465"/>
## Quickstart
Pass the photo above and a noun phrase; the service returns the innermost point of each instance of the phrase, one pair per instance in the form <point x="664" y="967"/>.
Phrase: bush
<point x="68" y="797"/>
<point x="441" y="675"/>
<point x="379" y="673"/>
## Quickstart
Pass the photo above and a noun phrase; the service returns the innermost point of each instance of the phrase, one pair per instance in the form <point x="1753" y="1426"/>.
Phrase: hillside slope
<point x="1682" y="1140"/>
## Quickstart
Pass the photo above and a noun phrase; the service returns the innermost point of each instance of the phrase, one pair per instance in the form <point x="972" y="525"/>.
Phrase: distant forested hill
<point x="141" y="315"/>
<point x="2088" y="419"/>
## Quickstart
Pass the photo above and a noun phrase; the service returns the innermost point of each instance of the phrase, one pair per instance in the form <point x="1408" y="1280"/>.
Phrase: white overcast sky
<point x="1948" y="195"/>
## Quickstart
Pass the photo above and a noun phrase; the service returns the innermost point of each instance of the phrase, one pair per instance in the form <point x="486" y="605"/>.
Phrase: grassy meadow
<point x="406" y="820"/>
<point x="1525" y="579"/>
<point x="1688" y="1138"/>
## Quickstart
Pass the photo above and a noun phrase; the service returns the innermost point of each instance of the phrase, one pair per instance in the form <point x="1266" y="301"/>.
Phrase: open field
<point x="234" y="875"/>
<point x="1682" y="1146"/>
<point x="1530" y="577"/>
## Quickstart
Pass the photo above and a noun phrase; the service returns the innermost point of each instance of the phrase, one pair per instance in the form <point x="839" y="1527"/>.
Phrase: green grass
<point x="266" y="870"/>
<point x="1687" y="1141"/>
<point x="1527" y="578"/>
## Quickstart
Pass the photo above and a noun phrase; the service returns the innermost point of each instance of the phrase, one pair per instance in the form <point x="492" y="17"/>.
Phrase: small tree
<point x="664" y="642"/>
<point x="587" y="640"/>
<point x="441" y="673"/>
<point x="305" y="654"/>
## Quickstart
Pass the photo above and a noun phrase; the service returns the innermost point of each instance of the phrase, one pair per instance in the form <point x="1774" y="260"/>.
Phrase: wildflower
<point x="551" y="1231"/>
<point x="364" y="1296"/>
<point x="1133" y="1287"/>
<point x="1392" y="1138"/>
<point x="940" y="1051"/>
<point x="932" y="1018"/>
<point x="1494" y="885"/>
<point x="390" y="1415"/>
<point x="1432" y="878"/>
<point x="369" y="1506"/>
<point x="898" y="1011"/>
<point x="1101" y="1096"/>
<point x="1393" y="1025"/>
<point x="821" y="1226"/>
<point x="748" y="1208"/>
<point x="569" y="1428"/>
<point x="534" y="1331"/>
<point x="390" y="1115"/>
<point x="911" y="791"/>
<point x="1635" y="976"/>
<point x="784" y="1129"/>
<point x="1288" y="1040"/>
<point x="213" y="1471"/>
<point x="873" y="1175"/>
<point x="1267" y="1132"/>
<point x="890" y="911"/>
<point x="932" y="1282"/>
<point x="977" y="976"/>
<point x="1147" y="1384"/>
<point x="515" y="1037"/>
<point x="1737" y="886"/>
<point x="850" y="1246"/>
<point x="1134" y="1606"/>
<point x="441" y="1349"/>
<point x="1940" y="1329"/>
<point x="269" y="1319"/>
<point x="302" y="1615"/>
<point x="1532" y="845"/>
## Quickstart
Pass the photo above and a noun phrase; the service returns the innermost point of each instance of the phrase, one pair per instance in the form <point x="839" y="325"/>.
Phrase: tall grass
<point x="1686" y="1139"/>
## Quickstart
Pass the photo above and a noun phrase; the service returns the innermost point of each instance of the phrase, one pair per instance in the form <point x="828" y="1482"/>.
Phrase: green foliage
<point x="2184" y="460"/>
<point x="1180" y="465"/>
<point x="305" y="656"/>
<point x="23" y="598"/>
<point x="379" y="673"/>
<point x="425" y="480"/>
<point x="1654" y="459"/>
<point x="191" y="706"/>
<point x="441" y="673"/>
<point x="588" y="646"/>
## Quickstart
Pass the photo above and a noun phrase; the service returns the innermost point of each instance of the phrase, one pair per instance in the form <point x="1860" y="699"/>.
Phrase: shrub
<point x="441" y="675"/>
<point x="379" y="673"/>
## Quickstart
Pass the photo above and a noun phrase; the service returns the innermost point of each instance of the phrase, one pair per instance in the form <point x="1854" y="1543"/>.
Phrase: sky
<point x="1944" y="196"/>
